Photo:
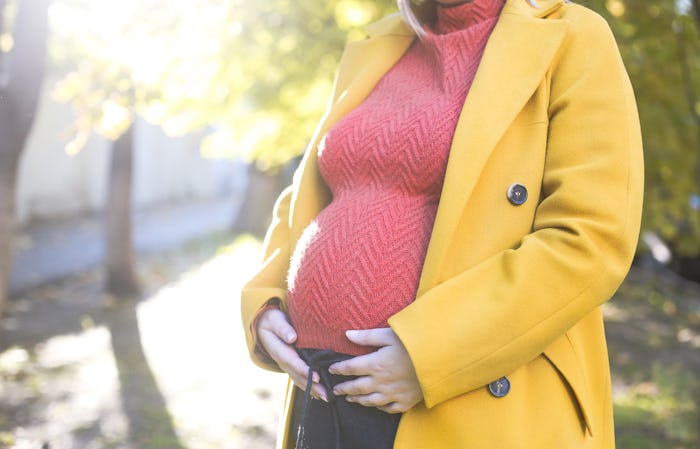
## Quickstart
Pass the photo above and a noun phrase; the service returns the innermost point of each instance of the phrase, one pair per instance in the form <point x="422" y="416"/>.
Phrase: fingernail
<point x="324" y="397"/>
<point x="289" y="337"/>
<point x="350" y="333"/>
<point x="316" y="378"/>
<point x="331" y="369"/>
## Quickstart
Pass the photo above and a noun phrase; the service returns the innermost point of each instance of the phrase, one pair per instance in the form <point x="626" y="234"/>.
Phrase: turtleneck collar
<point x="461" y="16"/>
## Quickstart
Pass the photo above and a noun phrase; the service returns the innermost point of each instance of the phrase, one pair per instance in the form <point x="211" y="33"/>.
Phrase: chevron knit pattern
<point x="360" y="260"/>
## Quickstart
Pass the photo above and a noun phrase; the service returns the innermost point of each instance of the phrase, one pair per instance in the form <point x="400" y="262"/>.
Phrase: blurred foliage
<point x="7" y="19"/>
<point x="256" y="74"/>
<point x="659" y="412"/>
<point x="653" y="334"/>
<point x="660" y="44"/>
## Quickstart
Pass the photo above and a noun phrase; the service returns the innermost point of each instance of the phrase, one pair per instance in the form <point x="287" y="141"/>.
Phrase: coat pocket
<point x="562" y="356"/>
<point x="546" y="407"/>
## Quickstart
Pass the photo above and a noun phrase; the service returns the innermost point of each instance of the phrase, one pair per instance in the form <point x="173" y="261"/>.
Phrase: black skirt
<point x="337" y="424"/>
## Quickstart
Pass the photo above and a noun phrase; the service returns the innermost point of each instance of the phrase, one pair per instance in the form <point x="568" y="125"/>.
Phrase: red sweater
<point x="360" y="260"/>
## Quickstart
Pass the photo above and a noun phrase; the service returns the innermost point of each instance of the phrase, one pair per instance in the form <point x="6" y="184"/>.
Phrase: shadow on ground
<point x="150" y="423"/>
<point x="170" y="370"/>
<point x="79" y="369"/>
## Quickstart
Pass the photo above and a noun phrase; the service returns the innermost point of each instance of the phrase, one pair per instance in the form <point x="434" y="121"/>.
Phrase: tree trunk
<point x="690" y="93"/>
<point x="120" y="264"/>
<point x="260" y="194"/>
<point x="21" y="76"/>
<point x="8" y="171"/>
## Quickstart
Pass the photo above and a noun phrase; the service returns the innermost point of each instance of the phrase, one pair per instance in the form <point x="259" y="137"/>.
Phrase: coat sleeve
<point x="270" y="280"/>
<point x="490" y="319"/>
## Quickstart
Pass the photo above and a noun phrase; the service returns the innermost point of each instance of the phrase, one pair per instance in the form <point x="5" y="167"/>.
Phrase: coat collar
<point x="516" y="57"/>
<point x="393" y="25"/>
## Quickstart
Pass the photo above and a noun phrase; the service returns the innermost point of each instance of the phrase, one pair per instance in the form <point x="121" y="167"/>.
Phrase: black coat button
<point x="500" y="387"/>
<point x="517" y="194"/>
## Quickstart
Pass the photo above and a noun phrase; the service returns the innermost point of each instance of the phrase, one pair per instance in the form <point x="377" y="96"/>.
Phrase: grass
<point x="659" y="413"/>
<point x="653" y="330"/>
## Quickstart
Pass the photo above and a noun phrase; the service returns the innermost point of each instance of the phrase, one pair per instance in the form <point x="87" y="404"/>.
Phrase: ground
<point x="653" y="331"/>
<point x="79" y="369"/>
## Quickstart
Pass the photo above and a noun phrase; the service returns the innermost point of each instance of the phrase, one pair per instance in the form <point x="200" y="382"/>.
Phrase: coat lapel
<point x="515" y="60"/>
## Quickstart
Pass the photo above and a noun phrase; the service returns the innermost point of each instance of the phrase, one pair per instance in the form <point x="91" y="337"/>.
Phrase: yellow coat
<point x="505" y="290"/>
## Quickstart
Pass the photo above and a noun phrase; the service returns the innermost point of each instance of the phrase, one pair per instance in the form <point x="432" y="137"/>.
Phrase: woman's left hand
<point x="387" y="379"/>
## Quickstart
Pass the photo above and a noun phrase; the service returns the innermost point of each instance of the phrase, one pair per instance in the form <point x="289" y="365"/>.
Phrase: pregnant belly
<point x="356" y="264"/>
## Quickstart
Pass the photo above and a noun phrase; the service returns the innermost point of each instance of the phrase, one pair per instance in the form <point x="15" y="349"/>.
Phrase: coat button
<point x="500" y="387"/>
<point x="517" y="194"/>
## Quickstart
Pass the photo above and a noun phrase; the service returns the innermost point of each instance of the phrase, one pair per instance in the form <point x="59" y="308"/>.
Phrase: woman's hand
<point x="387" y="379"/>
<point x="277" y="336"/>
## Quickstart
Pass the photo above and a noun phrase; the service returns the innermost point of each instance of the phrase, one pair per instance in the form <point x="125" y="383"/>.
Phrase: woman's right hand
<point x="277" y="336"/>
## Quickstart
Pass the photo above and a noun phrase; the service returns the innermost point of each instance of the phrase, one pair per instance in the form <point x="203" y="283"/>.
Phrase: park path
<point x="50" y="250"/>
<point x="168" y="369"/>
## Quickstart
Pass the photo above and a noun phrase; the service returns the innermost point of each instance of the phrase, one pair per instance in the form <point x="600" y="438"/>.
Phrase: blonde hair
<point x="411" y="20"/>
<point x="410" y="17"/>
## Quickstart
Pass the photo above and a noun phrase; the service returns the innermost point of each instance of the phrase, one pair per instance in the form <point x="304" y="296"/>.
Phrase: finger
<point x="369" y="400"/>
<point x="289" y="361"/>
<point x="284" y="354"/>
<point x="276" y="321"/>
<point x="357" y="366"/>
<point x="372" y="337"/>
<point x="318" y="391"/>
<point x="393" y="408"/>
<point x="361" y="385"/>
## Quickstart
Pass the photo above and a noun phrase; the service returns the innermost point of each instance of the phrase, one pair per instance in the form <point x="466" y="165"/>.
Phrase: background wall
<point x="166" y="168"/>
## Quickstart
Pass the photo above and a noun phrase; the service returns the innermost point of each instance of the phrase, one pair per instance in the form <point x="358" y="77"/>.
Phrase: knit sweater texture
<point x="359" y="261"/>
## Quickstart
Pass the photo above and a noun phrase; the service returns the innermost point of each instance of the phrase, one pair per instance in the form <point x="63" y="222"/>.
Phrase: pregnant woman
<point x="433" y="276"/>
